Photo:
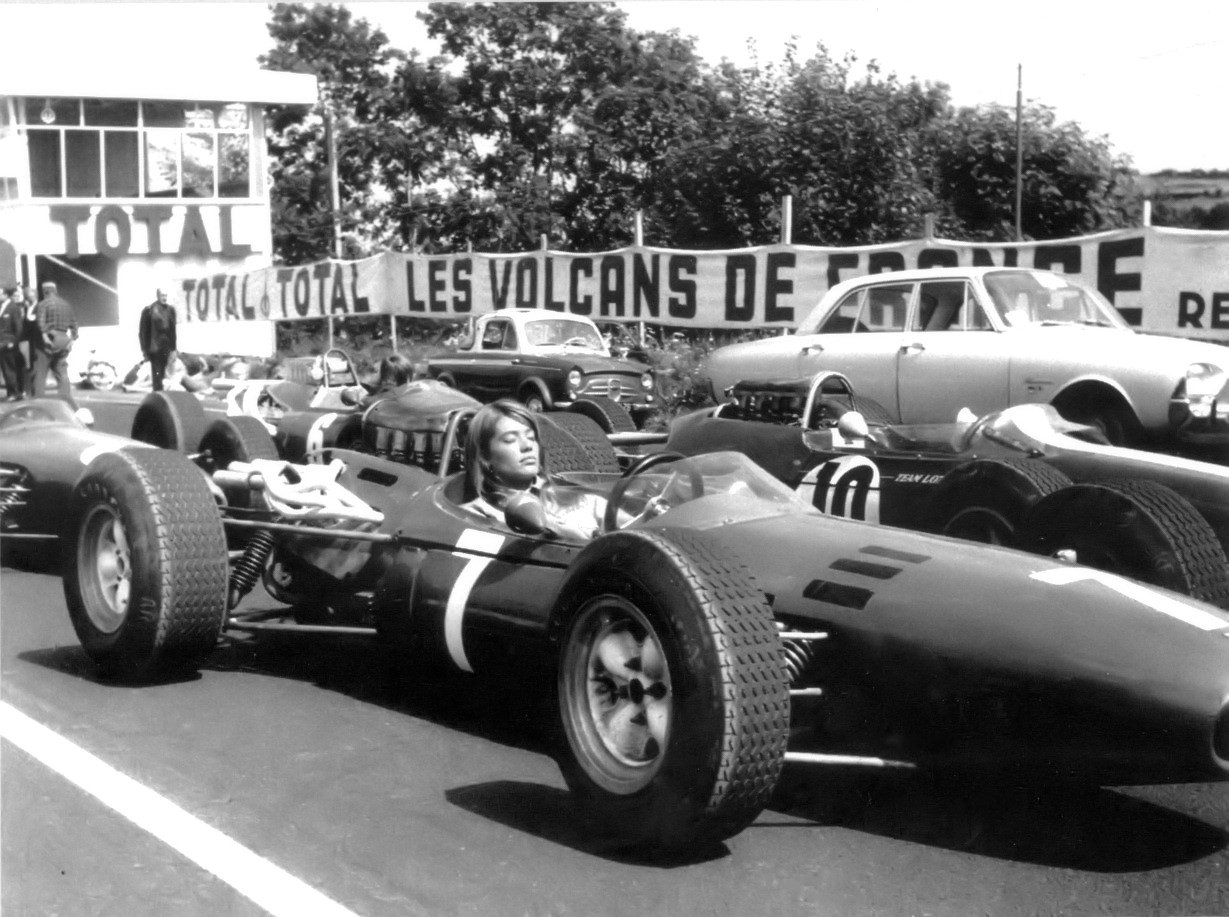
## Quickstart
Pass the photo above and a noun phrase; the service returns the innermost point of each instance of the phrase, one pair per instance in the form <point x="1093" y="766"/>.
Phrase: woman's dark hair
<point x="482" y="431"/>
<point x="395" y="370"/>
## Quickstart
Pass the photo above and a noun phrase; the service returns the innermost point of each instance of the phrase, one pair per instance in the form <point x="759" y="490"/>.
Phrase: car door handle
<point x="811" y="348"/>
<point x="912" y="347"/>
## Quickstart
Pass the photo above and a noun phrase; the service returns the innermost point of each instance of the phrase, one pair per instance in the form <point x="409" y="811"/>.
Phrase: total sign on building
<point x="114" y="185"/>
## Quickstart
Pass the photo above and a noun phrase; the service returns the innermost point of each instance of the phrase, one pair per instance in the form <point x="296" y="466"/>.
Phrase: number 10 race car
<point x="693" y="654"/>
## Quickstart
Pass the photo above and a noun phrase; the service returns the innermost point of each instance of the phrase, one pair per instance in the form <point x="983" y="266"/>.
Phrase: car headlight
<point x="646" y="381"/>
<point x="575" y="378"/>
<point x="1204" y="382"/>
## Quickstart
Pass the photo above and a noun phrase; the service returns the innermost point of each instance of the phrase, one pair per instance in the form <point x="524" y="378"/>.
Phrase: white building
<point x="115" y="184"/>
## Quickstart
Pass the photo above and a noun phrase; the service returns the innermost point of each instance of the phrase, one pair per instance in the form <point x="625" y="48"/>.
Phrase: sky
<point x="1151" y="78"/>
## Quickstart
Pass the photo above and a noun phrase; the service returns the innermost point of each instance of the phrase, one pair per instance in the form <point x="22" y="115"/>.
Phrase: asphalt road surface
<point x="297" y="776"/>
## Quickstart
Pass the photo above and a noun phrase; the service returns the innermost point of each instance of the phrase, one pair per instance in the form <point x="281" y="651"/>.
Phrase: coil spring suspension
<point x="247" y="569"/>
<point x="796" y="656"/>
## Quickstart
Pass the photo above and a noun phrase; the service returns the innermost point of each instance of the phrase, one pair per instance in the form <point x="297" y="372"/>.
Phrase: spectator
<point x="395" y="372"/>
<point x="29" y="338"/>
<point x="12" y="334"/>
<point x="157" y="337"/>
<point x="57" y="330"/>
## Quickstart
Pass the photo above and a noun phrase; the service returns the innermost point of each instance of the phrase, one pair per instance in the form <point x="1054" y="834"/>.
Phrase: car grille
<point x="618" y="388"/>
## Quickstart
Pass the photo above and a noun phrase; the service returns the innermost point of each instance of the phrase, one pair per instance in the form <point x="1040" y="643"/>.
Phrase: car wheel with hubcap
<point x="145" y="578"/>
<point x="672" y="693"/>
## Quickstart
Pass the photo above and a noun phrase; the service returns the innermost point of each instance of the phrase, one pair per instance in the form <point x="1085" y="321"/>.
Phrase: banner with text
<point x="1164" y="280"/>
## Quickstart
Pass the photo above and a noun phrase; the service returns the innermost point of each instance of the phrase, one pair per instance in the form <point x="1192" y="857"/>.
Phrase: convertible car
<point x="1023" y="476"/>
<point x="692" y="654"/>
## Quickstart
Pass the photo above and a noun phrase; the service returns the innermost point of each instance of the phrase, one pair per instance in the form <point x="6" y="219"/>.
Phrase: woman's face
<point x="513" y="453"/>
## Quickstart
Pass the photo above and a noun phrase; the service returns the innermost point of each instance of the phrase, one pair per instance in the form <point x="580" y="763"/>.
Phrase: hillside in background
<point x="1193" y="200"/>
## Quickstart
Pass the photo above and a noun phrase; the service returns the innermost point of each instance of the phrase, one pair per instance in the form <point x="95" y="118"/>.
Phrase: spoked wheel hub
<point x="106" y="562"/>
<point x="623" y="708"/>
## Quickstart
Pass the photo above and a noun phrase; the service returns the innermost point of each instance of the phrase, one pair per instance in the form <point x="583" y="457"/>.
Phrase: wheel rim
<point x="618" y="701"/>
<point x="105" y="562"/>
<point x="981" y="524"/>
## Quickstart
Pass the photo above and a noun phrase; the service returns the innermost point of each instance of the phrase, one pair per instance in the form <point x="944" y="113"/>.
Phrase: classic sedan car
<point x="683" y="684"/>
<point x="547" y="361"/>
<point x="1023" y="476"/>
<point x="926" y="343"/>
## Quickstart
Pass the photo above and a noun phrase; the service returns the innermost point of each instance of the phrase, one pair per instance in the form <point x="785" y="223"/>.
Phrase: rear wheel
<point x="589" y="436"/>
<point x="145" y="578"/>
<point x="562" y="451"/>
<point x="607" y="413"/>
<point x="987" y="500"/>
<point x="235" y="439"/>
<point x="672" y="692"/>
<point x="170" y="420"/>
<point x="1138" y="529"/>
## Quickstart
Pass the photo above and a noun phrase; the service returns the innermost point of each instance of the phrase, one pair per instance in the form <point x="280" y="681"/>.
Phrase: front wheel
<point x="672" y="692"/>
<point x="145" y="579"/>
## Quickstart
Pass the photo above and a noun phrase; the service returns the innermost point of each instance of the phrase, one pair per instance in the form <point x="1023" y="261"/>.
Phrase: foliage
<point x="558" y="120"/>
<point x="1071" y="184"/>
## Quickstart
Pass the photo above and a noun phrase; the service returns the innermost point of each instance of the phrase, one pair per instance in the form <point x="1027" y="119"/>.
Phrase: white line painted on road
<point x="269" y="886"/>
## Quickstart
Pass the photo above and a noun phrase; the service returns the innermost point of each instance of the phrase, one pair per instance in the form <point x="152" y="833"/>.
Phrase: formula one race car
<point x="328" y="382"/>
<point x="1022" y="477"/>
<point x="693" y="653"/>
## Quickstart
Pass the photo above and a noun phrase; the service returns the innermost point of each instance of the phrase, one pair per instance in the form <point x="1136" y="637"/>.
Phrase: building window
<point x="44" y="147"/>
<point x="121" y="152"/>
<point x="88" y="148"/>
<point x="162" y="163"/>
<point x="83" y="163"/>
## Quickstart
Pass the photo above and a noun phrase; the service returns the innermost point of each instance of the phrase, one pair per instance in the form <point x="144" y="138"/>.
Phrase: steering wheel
<point x="610" y="521"/>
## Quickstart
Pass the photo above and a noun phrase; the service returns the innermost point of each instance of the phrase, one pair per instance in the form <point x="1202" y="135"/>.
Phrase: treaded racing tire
<point x="588" y="435"/>
<point x="608" y="414"/>
<point x="170" y="420"/>
<point x="235" y="439"/>
<point x="666" y="622"/>
<point x="563" y="451"/>
<point x="1138" y="529"/>
<point x="145" y="576"/>
<point x="986" y="500"/>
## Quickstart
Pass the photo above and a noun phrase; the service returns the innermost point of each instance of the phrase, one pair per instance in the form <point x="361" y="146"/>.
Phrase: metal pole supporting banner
<point x="1019" y="152"/>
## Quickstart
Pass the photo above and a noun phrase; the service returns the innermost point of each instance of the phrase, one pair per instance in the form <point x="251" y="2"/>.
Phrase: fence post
<point x="928" y="231"/>
<point x="787" y="219"/>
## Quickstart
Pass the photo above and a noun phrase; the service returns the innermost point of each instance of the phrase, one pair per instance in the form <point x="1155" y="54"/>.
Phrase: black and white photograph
<point x="622" y="458"/>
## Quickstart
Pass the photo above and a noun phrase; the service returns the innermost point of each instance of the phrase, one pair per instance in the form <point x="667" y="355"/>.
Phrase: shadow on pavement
<point x="1085" y="828"/>
<point x="553" y="815"/>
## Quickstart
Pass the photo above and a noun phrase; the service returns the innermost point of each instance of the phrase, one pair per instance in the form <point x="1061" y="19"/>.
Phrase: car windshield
<point x="37" y="411"/>
<point x="1042" y="298"/>
<point x="563" y="332"/>
<point x="731" y="477"/>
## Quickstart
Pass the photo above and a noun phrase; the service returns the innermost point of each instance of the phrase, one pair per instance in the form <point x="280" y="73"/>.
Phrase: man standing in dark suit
<point x="157" y="334"/>
<point x="57" y="330"/>
<point x="12" y="333"/>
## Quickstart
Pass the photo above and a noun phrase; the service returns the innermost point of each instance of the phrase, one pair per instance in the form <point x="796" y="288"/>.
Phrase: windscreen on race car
<point x="37" y="411"/>
<point x="728" y="478"/>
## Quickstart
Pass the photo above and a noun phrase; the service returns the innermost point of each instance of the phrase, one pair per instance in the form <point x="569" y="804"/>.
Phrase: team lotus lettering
<point x="918" y="478"/>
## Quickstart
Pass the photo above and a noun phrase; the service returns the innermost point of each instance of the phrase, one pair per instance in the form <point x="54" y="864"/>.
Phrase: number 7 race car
<point x="693" y="654"/>
<point x="1023" y="477"/>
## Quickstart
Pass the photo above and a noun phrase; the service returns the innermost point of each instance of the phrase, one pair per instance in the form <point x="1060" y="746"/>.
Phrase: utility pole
<point x="330" y="130"/>
<point x="1019" y="152"/>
